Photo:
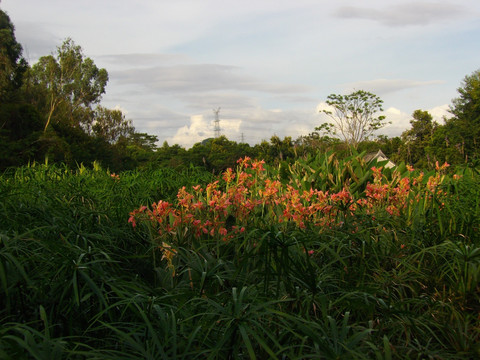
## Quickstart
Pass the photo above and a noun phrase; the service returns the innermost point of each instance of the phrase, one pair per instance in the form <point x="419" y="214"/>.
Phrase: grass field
<point x="321" y="259"/>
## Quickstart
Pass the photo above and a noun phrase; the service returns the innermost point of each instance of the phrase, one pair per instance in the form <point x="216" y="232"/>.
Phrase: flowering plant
<point x="249" y="197"/>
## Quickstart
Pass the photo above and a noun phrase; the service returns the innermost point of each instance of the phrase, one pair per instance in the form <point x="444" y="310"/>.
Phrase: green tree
<point x="111" y="125"/>
<point x="442" y="146"/>
<point x="66" y="86"/>
<point x="145" y="141"/>
<point x="135" y="150"/>
<point x="314" y="142"/>
<point x="417" y="139"/>
<point x="465" y="123"/>
<point x="12" y="63"/>
<point x="20" y="128"/>
<point x="354" y="116"/>
<point x="19" y="122"/>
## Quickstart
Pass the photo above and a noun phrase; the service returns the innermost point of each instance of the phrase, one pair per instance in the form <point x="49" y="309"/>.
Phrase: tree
<point x="281" y="149"/>
<point x="68" y="84"/>
<point x="314" y="142"/>
<point x="12" y="64"/>
<point x="19" y="122"/>
<point x="111" y="125"/>
<point x="465" y="124"/>
<point x="354" y="116"/>
<point x="20" y="127"/>
<point x="417" y="139"/>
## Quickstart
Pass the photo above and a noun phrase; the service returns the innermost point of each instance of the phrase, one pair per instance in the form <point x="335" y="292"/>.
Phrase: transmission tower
<point x="217" y="122"/>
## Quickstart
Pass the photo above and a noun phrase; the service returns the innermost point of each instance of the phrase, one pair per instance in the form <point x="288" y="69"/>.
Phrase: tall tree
<point x="12" y="63"/>
<point x="465" y="134"/>
<point x="354" y="116"/>
<point x="20" y="123"/>
<point x="417" y="139"/>
<point x="67" y="85"/>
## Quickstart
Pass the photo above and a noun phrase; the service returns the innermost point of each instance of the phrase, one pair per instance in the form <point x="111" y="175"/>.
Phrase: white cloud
<point x="199" y="77"/>
<point x="400" y="121"/>
<point x="323" y="106"/>
<point x="439" y="113"/>
<point x="121" y="108"/>
<point x="142" y="60"/>
<point x="405" y="14"/>
<point x="200" y="129"/>
<point x="386" y="86"/>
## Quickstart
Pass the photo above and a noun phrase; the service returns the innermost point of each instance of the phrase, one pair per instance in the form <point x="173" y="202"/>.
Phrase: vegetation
<point x="354" y="116"/>
<point x="114" y="248"/>
<point x="53" y="110"/>
<point x="256" y="263"/>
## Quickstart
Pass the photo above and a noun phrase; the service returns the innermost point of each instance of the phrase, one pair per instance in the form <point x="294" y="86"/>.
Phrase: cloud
<point x="199" y="77"/>
<point x="400" y="121"/>
<point x="439" y="113"/>
<point x="251" y="125"/>
<point x="200" y="129"/>
<point x="406" y="14"/>
<point x="36" y="40"/>
<point x="233" y="101"/>
<point x="386" y="86"/>
<point x="143" y="60"/>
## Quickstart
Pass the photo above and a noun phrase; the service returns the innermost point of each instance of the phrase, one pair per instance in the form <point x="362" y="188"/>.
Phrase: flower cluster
<point x="223" y="209"/>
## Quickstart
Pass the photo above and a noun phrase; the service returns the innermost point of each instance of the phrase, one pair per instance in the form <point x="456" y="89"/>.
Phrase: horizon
<point x="268" y="65"/>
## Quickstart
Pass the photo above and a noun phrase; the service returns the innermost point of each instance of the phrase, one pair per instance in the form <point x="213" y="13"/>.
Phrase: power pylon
<point x="217" y="123"/>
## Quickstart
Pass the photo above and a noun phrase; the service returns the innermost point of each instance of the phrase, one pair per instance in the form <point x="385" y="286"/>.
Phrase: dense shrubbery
<point x="316" y="255"/>
<point x="369" y="263"/>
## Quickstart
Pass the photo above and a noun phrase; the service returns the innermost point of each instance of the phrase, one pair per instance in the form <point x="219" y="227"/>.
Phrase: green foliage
<point x="12" y="64"/>
<point x="20" y="129"/>
<point x="466" y="117"/>
<point x="354" y="116"/>
<point x="215" y="155"/>
<point x="378" y="264"/>
<point x="77" y="281"/>
<point x="329" y="172"/>
<point x="66" y="86"/>
<point x="111" y="125"/>
<point x="276" y="151"/>
<point x="457" y="141"/>
<point x="416" y="147"/>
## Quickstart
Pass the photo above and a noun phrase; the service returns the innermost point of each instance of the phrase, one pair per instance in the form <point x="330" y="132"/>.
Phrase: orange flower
<point x="228" y="175"/>
<point x="258" y="166"/>
<point x="168" y="254"/>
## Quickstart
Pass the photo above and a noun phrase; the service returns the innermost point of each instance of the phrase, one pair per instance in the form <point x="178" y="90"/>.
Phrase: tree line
<point x="52" y="109"/>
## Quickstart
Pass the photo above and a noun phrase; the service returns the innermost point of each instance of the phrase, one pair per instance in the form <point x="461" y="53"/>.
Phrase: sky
<point x="269" y="65"/>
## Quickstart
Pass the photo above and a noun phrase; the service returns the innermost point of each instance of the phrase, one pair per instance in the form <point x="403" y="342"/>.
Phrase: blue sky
<point x="269" y="65"/>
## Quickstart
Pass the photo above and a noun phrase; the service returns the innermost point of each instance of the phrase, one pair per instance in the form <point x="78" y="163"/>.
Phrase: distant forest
<point x="51" y="111"/>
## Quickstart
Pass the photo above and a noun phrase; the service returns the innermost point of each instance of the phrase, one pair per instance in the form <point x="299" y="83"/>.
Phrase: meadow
<point x="323" y="258"/>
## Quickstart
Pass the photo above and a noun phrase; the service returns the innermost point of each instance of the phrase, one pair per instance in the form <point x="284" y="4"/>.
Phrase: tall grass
<point x="78" y="281"/>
